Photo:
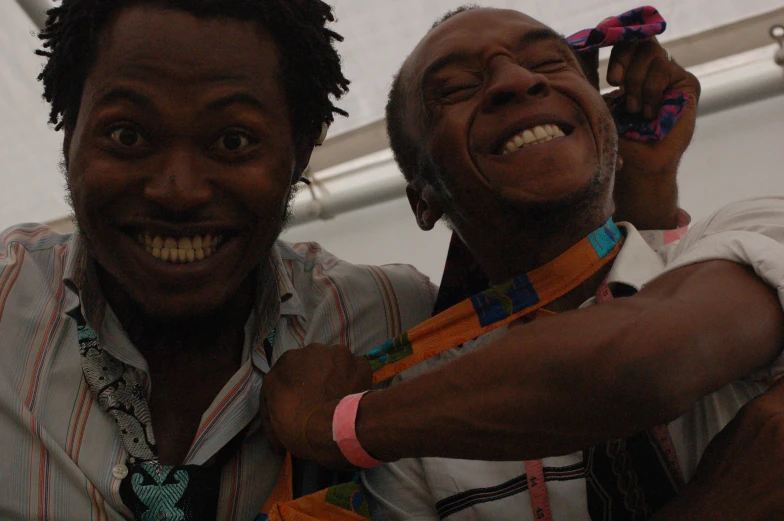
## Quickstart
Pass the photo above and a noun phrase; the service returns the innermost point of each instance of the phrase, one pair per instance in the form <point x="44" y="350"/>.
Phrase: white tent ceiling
<point x="378" y="35"/>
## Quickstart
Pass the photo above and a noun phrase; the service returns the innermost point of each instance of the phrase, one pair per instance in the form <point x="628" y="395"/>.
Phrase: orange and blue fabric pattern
<point x="524" y="295"/>
<point x="496" y="306"/>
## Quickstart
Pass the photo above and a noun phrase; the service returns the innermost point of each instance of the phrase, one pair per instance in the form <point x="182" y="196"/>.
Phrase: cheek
<point x="264" y="191"/>
<point x="449" y="144"/>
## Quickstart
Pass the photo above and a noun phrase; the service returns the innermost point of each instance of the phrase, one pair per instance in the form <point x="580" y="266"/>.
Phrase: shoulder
<point x="26" y="241"/>
<point x="749" y="232"/>
<point x="33" y="260"/>
<point x="362" y="305"/>
<point x="311" y="261"/>
<point x="763" y="215"/>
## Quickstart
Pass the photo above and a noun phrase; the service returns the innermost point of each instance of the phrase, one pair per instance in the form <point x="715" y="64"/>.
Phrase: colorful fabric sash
<point x="630" y="26"/>
<point x="637" y="24"/>
<point x="497" y="306"/>
<point x="487" y="310"/>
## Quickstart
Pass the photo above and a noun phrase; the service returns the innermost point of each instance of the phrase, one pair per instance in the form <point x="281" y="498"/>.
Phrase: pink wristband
<point x="344" y="432"/>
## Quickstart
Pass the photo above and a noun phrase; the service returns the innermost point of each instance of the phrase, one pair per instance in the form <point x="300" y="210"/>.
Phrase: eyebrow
<point x="543" y="34"/>
<point x="531" y="37"/>
<point x="239" y="98"/>
<point x="126" y="94"/>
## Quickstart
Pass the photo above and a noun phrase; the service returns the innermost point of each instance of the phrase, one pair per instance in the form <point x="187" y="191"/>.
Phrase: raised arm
<point x="646" y="187"/>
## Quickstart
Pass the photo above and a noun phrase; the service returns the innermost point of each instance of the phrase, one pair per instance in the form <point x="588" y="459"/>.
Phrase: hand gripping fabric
<point x="637" y="24"/>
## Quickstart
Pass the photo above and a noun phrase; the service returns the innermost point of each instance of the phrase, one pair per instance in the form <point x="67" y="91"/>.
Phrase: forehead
<point x="163" y="45"/>
<point x="473" y="32"/>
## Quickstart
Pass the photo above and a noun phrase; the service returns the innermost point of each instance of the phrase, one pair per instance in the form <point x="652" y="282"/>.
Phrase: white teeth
<point x="533" y="136"/>
<point x="179" y="250"/>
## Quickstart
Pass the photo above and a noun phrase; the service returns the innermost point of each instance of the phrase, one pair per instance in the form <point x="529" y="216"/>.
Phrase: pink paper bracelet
<point x="344" y="432"/>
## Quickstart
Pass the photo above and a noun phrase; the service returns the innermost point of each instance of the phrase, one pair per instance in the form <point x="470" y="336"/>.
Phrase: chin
<point x="168" y="309"/>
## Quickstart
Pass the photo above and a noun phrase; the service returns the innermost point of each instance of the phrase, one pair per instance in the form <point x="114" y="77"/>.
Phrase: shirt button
<point x="120" y="471"/>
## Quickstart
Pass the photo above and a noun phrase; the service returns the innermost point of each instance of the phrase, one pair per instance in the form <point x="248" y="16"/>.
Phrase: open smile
<point x="180" y="250"/>
<point x="533" y="136"/>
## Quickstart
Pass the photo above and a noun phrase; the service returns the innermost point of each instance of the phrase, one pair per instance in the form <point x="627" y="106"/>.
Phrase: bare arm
<point x="565" y="382"/>
<point x="646" y="187"/>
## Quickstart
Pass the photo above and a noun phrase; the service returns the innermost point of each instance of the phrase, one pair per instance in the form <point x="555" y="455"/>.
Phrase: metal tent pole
<point x="36" y="10"/>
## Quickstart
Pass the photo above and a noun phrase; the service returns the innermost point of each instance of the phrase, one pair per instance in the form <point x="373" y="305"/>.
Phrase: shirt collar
<point x="637" y="263"/>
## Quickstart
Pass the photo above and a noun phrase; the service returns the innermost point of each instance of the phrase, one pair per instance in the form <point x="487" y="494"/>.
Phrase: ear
<point x="302" y="154"/>
<point x="425" y="203"/>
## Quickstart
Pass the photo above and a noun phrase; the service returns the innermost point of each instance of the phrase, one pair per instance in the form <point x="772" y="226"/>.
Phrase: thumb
<point x="269" y="432"/>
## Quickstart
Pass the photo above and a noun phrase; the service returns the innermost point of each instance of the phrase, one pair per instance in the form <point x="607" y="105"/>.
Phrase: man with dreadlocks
<point x="133" y="352"/>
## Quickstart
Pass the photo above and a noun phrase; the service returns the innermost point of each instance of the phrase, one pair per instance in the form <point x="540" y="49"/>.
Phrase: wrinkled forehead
<point x="473" y="32"/>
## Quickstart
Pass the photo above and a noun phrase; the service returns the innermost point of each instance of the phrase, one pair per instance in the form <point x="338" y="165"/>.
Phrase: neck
<point x="505" y="256"/>
<point x="512" y="252"/>
<point x="218" y="336"/>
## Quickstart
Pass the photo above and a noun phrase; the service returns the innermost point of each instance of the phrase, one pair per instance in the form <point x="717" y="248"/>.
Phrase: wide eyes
<point x="232" y="141"/>
<point x="127" y="136"/>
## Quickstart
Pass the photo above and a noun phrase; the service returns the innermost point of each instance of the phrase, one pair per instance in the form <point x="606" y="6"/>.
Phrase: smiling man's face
<point x="509" y="114"/>
<point x="181" y="160"/>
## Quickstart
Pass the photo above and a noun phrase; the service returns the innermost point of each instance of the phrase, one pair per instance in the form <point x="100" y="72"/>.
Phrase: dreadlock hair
<point x="309" y="62"/>
<point x="414" y="162"/>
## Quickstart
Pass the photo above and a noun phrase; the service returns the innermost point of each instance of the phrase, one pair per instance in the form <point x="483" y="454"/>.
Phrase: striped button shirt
<point x="61" y="456"/>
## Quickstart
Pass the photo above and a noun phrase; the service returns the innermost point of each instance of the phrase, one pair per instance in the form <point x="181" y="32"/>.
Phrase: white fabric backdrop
<point x="379" y="33"/>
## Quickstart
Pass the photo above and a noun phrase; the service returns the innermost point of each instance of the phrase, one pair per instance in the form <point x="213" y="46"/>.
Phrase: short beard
<point x="565" y="215"/>
<point x="568" y="214"/>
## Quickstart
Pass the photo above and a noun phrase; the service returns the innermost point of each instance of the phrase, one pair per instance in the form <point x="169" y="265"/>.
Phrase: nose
<point x="179" y="185"/>
<point x="512" y="83"/>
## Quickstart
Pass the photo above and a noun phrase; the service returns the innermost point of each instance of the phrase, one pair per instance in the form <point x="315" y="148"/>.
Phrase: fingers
<point x="268" y="430"/>
<point x="653" y="88"/>
<point x="644" y="72"/>
<point x="365" y="372"/>
<point x="620" y="59"/>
